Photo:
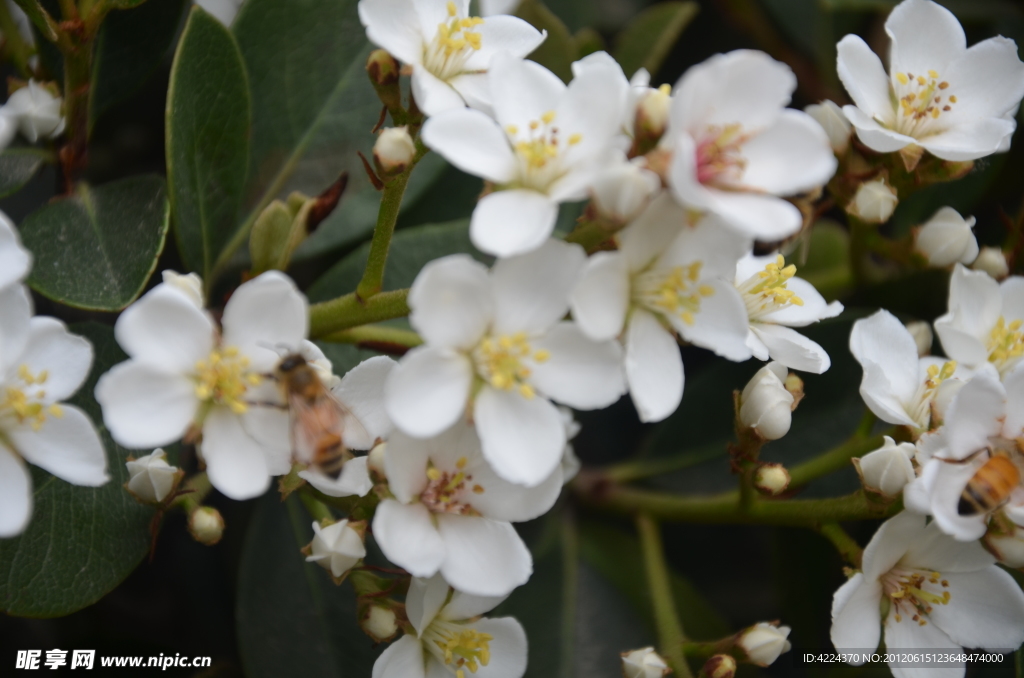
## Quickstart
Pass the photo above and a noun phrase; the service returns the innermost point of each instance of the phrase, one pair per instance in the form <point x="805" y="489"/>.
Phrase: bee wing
<point x="311" y="421"/>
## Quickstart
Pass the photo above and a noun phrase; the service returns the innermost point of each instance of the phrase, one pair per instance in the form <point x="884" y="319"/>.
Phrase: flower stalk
<point x="350" y="311"/>
<point x="670" y="629"/>
<point x="845" y="545"/>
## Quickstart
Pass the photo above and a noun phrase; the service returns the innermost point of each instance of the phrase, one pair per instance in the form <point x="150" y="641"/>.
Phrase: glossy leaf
<point x="18" y="166"/>
<point x="558" y="50"/>
<point x="648" y="38"/>
<point x="98" y="248"/>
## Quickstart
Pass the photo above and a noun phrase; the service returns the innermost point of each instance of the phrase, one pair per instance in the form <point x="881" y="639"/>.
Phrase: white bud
<point x="922" y="334"/>
<point x="336" y="547"/>
<point x="191" y="284"/>
<point x="37" y="112"/>
<point x="643" y="663"/>
<point x="765" y="404"/>
<point x="874" y="202"/>
<point x="764" y="642"/>
<point x="151" y="478"/>
<point x="652" y="111"/>
<point x="834" y="122"/>
<point x="375" y="460"/>
<point x="888" y="468"/>
<point x="772" y="479"/>
<point x="992" y="261"/>
<point x="206" y="525"/>
<point x="719" y="666"/>
<point x="947" y="238"/>
<point x="394" y="150"/>
<point x="380" y="623"/>
<point x="1007" y="548"/>
<point x="622" y="190"/>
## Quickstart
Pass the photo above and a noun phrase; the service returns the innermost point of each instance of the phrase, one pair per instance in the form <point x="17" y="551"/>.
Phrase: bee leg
<point x="266" y="403"/>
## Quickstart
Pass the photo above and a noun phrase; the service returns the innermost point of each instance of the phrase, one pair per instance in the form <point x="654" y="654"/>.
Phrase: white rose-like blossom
<point x="453" y="514"/>
<point x="765" y="404"/>
<point x="764" y="642"/>
<point x="448" y="51"/>
<point x="545" y="145"/>
<point x="336" y="548"/>
<point x="151" y="478"/>
<point x="950" y="100"/>
<point x="496" y="341"/>
<point x="887" y="469"/>
<point x="452" y="639"/>
<point x="184" y="373"/>
<point x="947" y="238"/>
<point x="41" y="364"/>
<point x="736" y="147"/>
<point x="15" y="260"/>
<point x="36" y="111"/>
<point x="943" y="596"/>
<point x="644" y="663"/>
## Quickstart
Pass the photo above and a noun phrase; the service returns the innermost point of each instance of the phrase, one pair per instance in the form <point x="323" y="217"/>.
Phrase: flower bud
<point x="651" y="117"/>
<point x="393" y="151"/>
<point x="719" y="666"/>
<point x="206" y="525"/>
<point x="922" y="334"/>
<point x="379" y="622"/>
<point x="992" y="261"/>
<point x="382" y="68"/>
<point x="771" y="479"/>
<point x="887" y="469"/>
<point x="874" y="202"/>
<point x="191" y="284"/>
<point x="337" y="547"/>
<point x="834" y="122"/>
<point x="375" y="460"/>
<point x="37" y="112"/>
<point x="765" y="404"/>
<point x="1006" y="543"/>
<point x="643" y="663"/>
<point x="764" y="642"/>
<point x="151" y="479"/>
<point x="622" y="190"/>
<point x="947" y="238"/>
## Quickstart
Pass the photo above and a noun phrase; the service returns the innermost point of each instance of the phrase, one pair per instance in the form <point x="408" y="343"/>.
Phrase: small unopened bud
<point x="37" y="112"/>
<point x="644" y="663"/>
<point x="764" y="642"/>
<point x="622" y="190"/>
<point x="651" y="117"/>
<point x="206" y="525"/>
<point x="922" y="334"/>
<point x="191" y="284"/>
<point x="719" y="666"/>
<point x="337" y="547"/>
<point x="151" y="479"/>
<point x="887" y="469"/>
<point x="771" y="479"/>
<point x="947" y="238"/>
<point x="874" y="202"/>
<point x="382" y="68"/>
<point x="380" y="623"/>
<point x="795" y="385"/>
<point x="375" y="460"/>
<point x="992" y="261"/>
<point x="1005" y="541"/>
<point x="765" y="404"/>
<point x="394" y="151"/>
<point x="834" y="122"/>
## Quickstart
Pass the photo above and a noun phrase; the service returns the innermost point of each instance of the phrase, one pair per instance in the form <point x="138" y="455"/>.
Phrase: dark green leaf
<point x="18" y="166"/>
<point x="647" y="39"/>
<point x="128" y="4"/>
<point x="558" y="50"/>
<point x="97" y="248"/>
<point x="82" y="541"/>
<point x="40" y="20"/>
<point x="130" y="46"/>
<point x="292" y="619"/>
<point x="207" y="140"/>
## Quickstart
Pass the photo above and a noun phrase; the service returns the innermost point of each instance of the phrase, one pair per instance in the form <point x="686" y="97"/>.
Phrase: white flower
<point x="452" y="639"/>
<point x="622" y="190"/>
<point x="37" y="112"/>
<point x="923" y="337"/>
<point x="546" y="145"/>
<point x="984" y="320"/>
<point x="151" y="478"/>
<point x="495" y="342"/>
<point x="943" y="596"/>
<point x="765" y="404"/>
<point x="449" y="51"/>
<point x="336" y="548"/>
<point x="764" y="642"/>
<point x="947" y="238"/>
<point x="897" y="386"/>
<point x="874" y="202"/>
<point x="394" y="150"/>
<point x="777" y="301"/>
<point x="939" y="95"/>
<point x="453" y="514"/>
<point x="41" y="364"/>
<point x="223" y="10"/>
<point x="184" y="373"/>
<point x="644" y="663"/>
<point x="736" y="146"/>
<point x="666" y="277"/>
<point x="836" y="126"/>
<point x="15" y="260"/>
<point x="888" y="468"/>
<point x="992" y="260"/>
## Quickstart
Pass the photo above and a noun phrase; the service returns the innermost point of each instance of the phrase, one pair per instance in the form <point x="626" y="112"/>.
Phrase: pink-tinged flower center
<point x="914" y="593"/>
<point x="445" y="490"/>
<point x="718" y="155"/>
<point x="922" y="100"/>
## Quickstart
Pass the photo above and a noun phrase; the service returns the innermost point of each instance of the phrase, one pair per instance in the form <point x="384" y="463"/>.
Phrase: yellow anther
<point x="952" y="97"/>
<point x="687" y="317"/>
<point x="541" y="356"/>
<point x="932" y="74"/>
<point x="56" y="411"/>
<point x="461" y="463"/>
<point x="433" y="473"/>
<point x="944" y="85"/>
<point x="527" y="391"/>
<point x="500" y="361"/>
<point x="224" y="378"/>
<point x="665" y="88"/>
<point x="575" y="139"/>
<point x="534" y="124"/>
<point x="451" y="8"/>
<point x="902" y="77"/>
<point x="477" y="489"/>
<point x="512" y="130"/>
<point x="548" y="117"/>
<point x="921" y="80"/>
<point x="1006" y="342"/>
<point x="706" y="290"/>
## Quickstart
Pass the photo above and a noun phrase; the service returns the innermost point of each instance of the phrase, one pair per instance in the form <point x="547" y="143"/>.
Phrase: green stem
<point x="348" y="311"/>
<point x="318" y="510"/>
<point x="200" y="487"/>
<point x="592" y="233"/>
<point x="570" y="585"/>
<point x="372" y="336"/>
<point x="670" y="629"/>
<point x="387" y="216"/>
<point x="14" y="45"/>
<point x="847" y="547"/>
<point x="835" y="459"/>
<point x="41" y="18"/>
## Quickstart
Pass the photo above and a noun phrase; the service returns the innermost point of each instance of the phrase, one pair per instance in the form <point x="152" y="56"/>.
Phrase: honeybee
<point x="317" y="418"/>
<point x="990" y="486"/>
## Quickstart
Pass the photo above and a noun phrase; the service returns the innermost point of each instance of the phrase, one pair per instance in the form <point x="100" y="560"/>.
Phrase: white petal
<point x="426" y="393"/>
<point x="947" y="484"/>
<point x="989" y="80"/>
<point x="909" y="635"/>
<point x="15" y="319"/>
<point x="873" y="135"/>
<point x="925" y="36"/>
<point x="424" y="601"/>
<point x="353" y="481"/>
<point x="15" y="494"/>
<point x="985" y="609"/>
<point x="856" y="620"/>
<point x="408" y="537"/>
<point x="512" y="221"/>
<point x="864" y="77"/>
<point x="361" y="391"/>
<point x="974" y="414"/>
<point x="434" y="96"/>
<point x="502" y="500"/>
<point x="762" y="217"/>
<point x="67" y="446"/>
<point x="601" y="297"/>
<point x="936" y="551"/>
<point x="579" y="372"/>
<point x="264" y="314"/>
<point x="974" y="306"/>
<point x="531" y="291"/>
<point x="508" y="649"/>
<point x="475" y="90"/>
<point x="814" y="309"/>
<point x="473" y="142"/>
<point x="522" y="438"/>
<point x="791" y="348"/>
<point x="451" y="301"/>
<point x="503" y="34"/>
<point x="652" y="232"/>
<point x="235" y="462"/>
<point x="792" y="156"/>
<point x="165" y="329"/>
<point x="654" y="367"/>
<point x="64" y="357"/>
<point x="969" y="140"/>
<point x="144" y="407"/>
<point x="402" y="659"/>
<point x="891" y="542"/>
<point x="1013" y="425"/>
<point x="483" y="557"/>
<point x="888" y="354"/>
<point x="466" y="606"/>
<point x="527" y="90"/>
<point x="392" y="24"/>
<point x="15" y="260"/>
<point x="405" y="464"/>
<point x="720" y="325"/>
<point x="712" y="243"/>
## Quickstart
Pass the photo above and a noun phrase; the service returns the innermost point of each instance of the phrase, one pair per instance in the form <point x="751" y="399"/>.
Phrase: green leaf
<point x="648" y="38"/>
<point x="207" y="140"/>
<point x="558" y="50"/>
<point x="291" y="618"/>
<point x="129" y="47"/>
<point x="128" y="4"/>
<point x="40" y="19"/>
<point x="18" y="166"/>
<point x="97" y="248"/>
<point x="82" y="541"/>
